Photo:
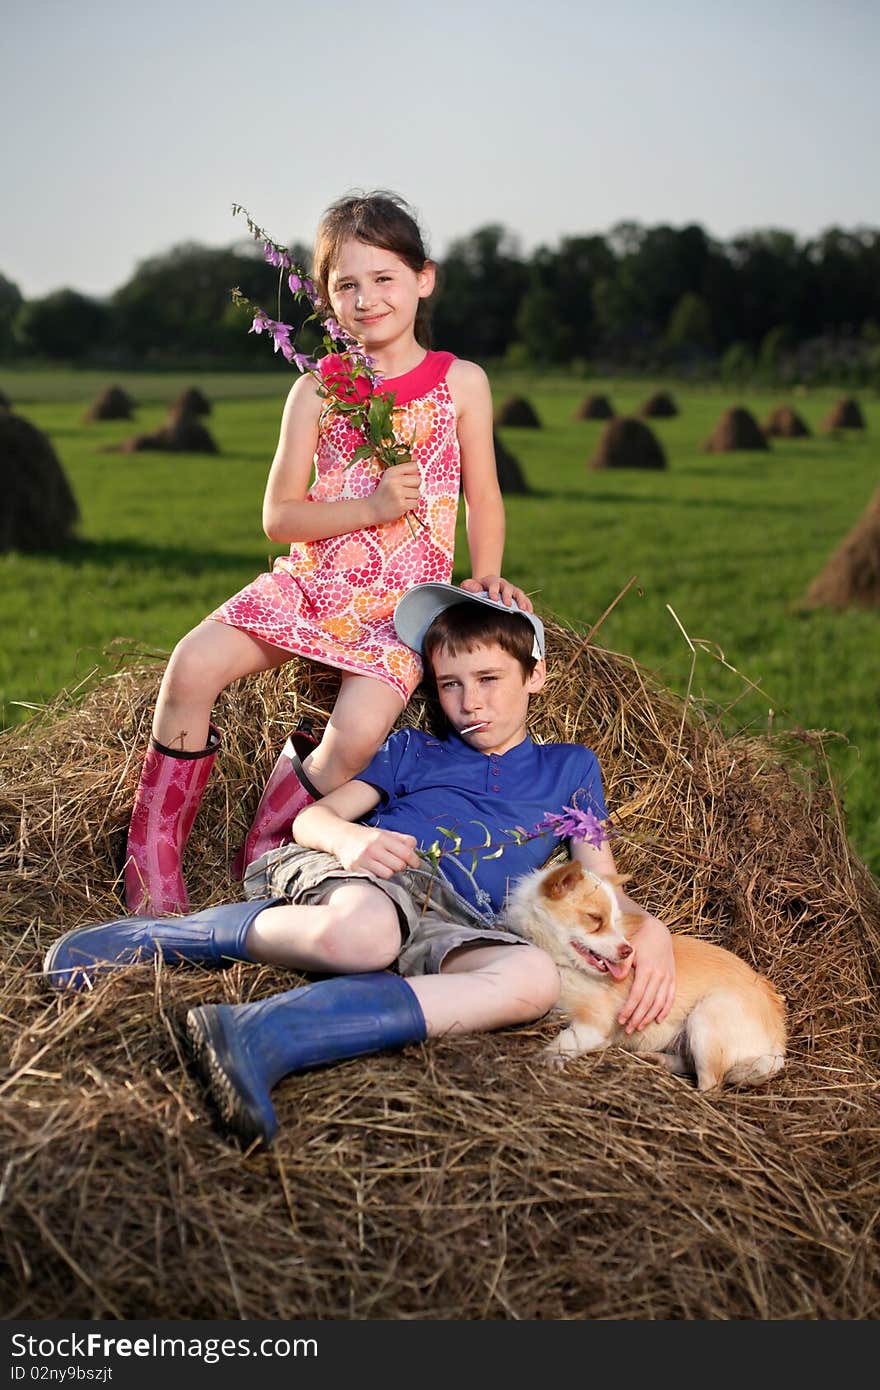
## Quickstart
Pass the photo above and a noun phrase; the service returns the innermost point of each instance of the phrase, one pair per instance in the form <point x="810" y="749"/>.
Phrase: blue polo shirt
<point x="433" y="785"/>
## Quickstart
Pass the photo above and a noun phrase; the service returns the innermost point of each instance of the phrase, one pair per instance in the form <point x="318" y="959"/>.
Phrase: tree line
<point x="637" y="298"/>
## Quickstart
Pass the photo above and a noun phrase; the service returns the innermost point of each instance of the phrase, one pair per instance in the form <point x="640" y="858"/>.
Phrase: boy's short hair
<point x="463" y="626"/>
<point x="416" y="612"/>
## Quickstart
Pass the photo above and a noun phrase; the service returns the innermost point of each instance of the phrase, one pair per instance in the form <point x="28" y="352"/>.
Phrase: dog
<point x="726" y="1024"/>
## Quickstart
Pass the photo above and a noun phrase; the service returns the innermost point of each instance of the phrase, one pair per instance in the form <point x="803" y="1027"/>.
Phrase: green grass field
<point x="727" y="542"/>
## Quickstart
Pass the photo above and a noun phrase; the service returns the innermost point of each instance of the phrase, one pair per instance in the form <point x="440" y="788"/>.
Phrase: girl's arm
<point x="330" y="825"/>
<point x="484" y="505"/>
<point x="287" y="516"/>
<point x="653" y="963"/>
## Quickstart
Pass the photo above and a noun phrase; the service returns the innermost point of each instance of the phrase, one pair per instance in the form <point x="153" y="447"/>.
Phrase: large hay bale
<point x="628" y="443"/>
<point x="185" y="434"/>
<point x="845" y="415"/>
<point x="141" y="443"/>
<point x="785" y="423"/>
<point x="851" y="577"/>
<point x="594" y="408"/>
<point x="182" y="433"/>
<point x="460" y="1179"/>
<point x="511" y="478"/>
<point x="192" y="401"/>
<point x="38" y="510"/>
<point x="112" y="404"/>
<point x="736" y="429"/>
<point x="517" y="412"/>
<point x="660" y="406"/>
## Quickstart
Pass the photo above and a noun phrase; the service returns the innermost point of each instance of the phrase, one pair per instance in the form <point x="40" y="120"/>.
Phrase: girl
<point x="359" y="537"/>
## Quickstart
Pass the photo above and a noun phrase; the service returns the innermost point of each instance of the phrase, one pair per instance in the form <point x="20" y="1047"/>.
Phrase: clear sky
<point x="130" y="128"/>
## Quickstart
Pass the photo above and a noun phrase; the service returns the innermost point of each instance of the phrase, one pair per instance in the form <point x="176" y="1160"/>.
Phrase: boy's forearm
<point x="317" y="827"/>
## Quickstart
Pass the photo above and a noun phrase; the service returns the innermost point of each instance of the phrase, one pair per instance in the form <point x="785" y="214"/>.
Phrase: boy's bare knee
<point x="362" y="935"/>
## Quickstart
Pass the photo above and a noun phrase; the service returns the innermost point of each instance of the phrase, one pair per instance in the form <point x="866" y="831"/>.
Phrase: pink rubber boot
<point x="165" y="804"/>
<point x="287" y="792"/>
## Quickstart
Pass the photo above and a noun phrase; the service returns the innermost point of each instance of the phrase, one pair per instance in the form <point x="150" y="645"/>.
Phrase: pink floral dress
<point x="332" y="600"/>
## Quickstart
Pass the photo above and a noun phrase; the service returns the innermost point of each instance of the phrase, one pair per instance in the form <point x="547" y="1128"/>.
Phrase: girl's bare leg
<point x="362" y="718"/>
<point x="202" y="664"/>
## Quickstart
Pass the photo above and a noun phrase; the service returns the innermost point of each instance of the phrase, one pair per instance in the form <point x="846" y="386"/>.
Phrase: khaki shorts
<point x="434" y="918"/>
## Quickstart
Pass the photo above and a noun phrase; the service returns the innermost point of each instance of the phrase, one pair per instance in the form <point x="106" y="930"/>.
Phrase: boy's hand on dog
<point x="379" y="852"/>
<point x="653" y="969"/>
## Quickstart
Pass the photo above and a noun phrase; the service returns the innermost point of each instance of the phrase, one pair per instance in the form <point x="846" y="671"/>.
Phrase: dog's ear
<point x="562" y="880"/>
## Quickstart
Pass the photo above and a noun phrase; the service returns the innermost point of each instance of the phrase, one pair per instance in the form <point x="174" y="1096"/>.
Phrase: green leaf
<point x="379" y="419"/>
<point x="451" y="835"/>
<point x="363" y="451"/>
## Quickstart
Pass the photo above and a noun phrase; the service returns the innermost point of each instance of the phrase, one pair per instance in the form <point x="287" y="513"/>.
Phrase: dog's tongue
<point x="617" y="969"/>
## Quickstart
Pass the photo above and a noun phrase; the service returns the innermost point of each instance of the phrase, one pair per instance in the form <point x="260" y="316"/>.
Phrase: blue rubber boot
<point x="214" y="936"/>
<point x="241" y="1050"/>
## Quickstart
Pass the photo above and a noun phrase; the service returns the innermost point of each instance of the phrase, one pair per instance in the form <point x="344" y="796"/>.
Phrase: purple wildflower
<point x="260" y="322"/>
<point x="273" y="256"/>
<point x="294" y="282"/>
<point x="310" y="290"/>
<point x="574" y="824"/>
<point x="333" y="327"/>
<point x="360" y="353"/>
<point x="281" y="333"/>
<point x="303" y="362"/>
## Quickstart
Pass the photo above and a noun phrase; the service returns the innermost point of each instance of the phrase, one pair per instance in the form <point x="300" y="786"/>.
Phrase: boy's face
<point x="486" y="692"/>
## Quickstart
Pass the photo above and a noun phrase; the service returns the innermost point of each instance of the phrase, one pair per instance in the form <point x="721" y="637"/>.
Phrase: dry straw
<point x="852" y="575"/>
<point x="112" y="404"/>
<point x="627" y="442"/>
<point x="846" y="414"/>
<point x="659" y="406"/>
<point x="192" y="401"/>
<point x="784" y="423"/>
<point x="458" y="1179"/>
<point x="595" y="408"/>
<point x="519" y="412"/>
<point x="182" y="433"/>
<point x="38" y="510"/>
<point x="736" y="429"/>
<point x="511" y="478"/>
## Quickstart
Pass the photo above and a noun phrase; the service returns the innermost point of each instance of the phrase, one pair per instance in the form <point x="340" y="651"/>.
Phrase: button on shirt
<point x="437" y="789"/>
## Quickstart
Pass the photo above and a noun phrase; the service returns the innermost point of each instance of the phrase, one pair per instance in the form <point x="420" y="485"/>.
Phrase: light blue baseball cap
<point x="420" y="605"/>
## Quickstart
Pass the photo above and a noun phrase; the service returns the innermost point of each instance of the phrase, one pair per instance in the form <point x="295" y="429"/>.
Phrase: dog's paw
<point x="563" y="1049"/>
<point x="554" y="1059"/>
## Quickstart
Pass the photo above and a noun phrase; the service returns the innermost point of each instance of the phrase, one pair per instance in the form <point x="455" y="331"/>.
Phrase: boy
<point x="351" y="897"/>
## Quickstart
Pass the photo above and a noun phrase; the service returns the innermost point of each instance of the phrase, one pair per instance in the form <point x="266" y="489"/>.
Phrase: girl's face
<point x="375" y="295"/>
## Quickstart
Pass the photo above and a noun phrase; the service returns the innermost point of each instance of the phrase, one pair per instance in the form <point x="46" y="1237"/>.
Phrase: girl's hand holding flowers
<point x="397" y="493"/>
